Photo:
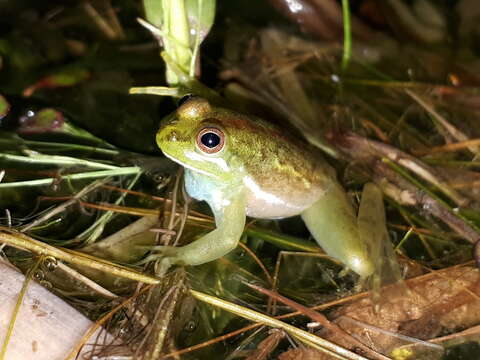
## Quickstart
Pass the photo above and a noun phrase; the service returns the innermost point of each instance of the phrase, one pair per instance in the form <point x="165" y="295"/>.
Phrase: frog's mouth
<point x="188" y="166"/>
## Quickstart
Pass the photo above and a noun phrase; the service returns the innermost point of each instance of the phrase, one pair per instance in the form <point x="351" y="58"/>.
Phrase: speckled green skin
<point x="261" y="173"/>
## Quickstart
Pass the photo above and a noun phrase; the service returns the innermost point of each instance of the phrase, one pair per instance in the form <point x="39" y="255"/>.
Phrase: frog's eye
<point x="210" y="140"/>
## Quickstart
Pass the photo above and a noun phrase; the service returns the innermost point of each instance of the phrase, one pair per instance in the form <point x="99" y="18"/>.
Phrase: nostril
<point x="173" y="136"/>
<point x="167" y="133"/>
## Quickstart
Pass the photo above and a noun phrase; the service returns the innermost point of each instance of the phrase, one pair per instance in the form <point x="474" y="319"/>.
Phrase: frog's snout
<point x="168" y="130"/>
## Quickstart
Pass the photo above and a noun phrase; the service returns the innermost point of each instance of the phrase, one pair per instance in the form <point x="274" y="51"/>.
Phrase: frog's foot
<point x="165" y="251"/>
<point x="332" y="222"/>
<point x="167" y="256"/>
<point x="230" y="222"/>
<point x="363" y="284"/>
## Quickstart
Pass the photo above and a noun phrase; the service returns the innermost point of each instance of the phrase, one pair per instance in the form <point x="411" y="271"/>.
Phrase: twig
<point x="452" y="130"/>
<point x="99" y="21"/>
<point x="304" y="336"/>
<point x="23" y="242"/>
<point x="92" y="285"/>
<point x="461" y="145"/>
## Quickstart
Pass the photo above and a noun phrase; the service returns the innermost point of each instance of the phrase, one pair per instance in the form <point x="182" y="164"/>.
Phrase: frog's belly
<point x="276" y="202"/>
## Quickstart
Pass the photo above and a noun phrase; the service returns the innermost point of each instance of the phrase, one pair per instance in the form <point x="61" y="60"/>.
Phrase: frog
<point x="243" y="166"/>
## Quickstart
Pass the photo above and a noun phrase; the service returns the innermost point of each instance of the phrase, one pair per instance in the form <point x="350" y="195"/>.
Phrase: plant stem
<point x="132" y="170"/>
<point x="347" y="35"/>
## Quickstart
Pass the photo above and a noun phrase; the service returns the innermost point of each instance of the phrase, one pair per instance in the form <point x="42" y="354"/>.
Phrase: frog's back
<point x="282" y="176"/>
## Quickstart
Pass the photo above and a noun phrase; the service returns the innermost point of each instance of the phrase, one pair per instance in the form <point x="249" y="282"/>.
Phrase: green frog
<point x="243" y="166"/>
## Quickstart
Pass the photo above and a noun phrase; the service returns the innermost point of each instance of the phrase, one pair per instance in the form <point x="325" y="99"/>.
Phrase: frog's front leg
<point x="333" y="223"/>
<point x="230" y="223"/>
<point x="229" y="210"/>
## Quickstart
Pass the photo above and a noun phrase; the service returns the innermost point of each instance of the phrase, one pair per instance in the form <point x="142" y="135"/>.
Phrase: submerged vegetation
<point x="86" y="195"/>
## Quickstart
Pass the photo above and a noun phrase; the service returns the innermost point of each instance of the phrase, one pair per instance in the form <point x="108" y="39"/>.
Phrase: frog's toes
<point x="166" y="254"/>
<point x="165" y="251"/>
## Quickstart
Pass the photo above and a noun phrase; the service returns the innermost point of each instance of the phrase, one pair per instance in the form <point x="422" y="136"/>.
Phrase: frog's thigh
<point x="229" y="211"/>
<point x="332" y="222"/>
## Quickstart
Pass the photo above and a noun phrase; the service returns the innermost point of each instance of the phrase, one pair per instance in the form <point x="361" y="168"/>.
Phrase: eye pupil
<point x="210" y="140"/>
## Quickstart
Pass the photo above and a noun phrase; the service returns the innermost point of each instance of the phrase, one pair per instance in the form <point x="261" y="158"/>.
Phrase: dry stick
<point x="168" y="314"/>
<point x="210" y="342"/>
<point x="463" y="335"/>
<point x="23" y="242"/>
<point x="120" y="209"/>
<point x="145" y="212"/>
<point x="184" y="216"/>
<point x="266" y="347"/>
<point x="173" y="210"/>
<point x="304" y="336"/>
<point x="99" y="21"/>
<point x="374" y="148"/>
<point x="382" y="171"/>
<point x="320" y="318"/>
<point x="136" y="193"/>
<point x="165" y="239"/>
<point x="92" y="285"/>
<point x="457" y="134"/>
<point x="137" y="211"/>
<point x="258" y="261"/>
<point x="173" y="290"/>
<point x="112" y="17"/>
<point x="461" y="145"/>
<point x="164" y="231"/>
<point x="389" y="333"/>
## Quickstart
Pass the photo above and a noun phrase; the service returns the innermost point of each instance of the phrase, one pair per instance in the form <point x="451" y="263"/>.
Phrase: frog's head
<point x="196" y="136"/>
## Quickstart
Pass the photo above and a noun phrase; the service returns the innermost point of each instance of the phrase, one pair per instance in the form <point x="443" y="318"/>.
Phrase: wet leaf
<point x="4" y="107"/>
<point x="42" y="121"/>
<point x="67" y="78"/>
<point x="201" y="14"/>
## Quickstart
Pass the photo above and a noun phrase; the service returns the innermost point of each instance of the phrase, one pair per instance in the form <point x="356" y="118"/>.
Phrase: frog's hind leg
<point x="373" y="231"/>
<point x="332" y="222"/>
